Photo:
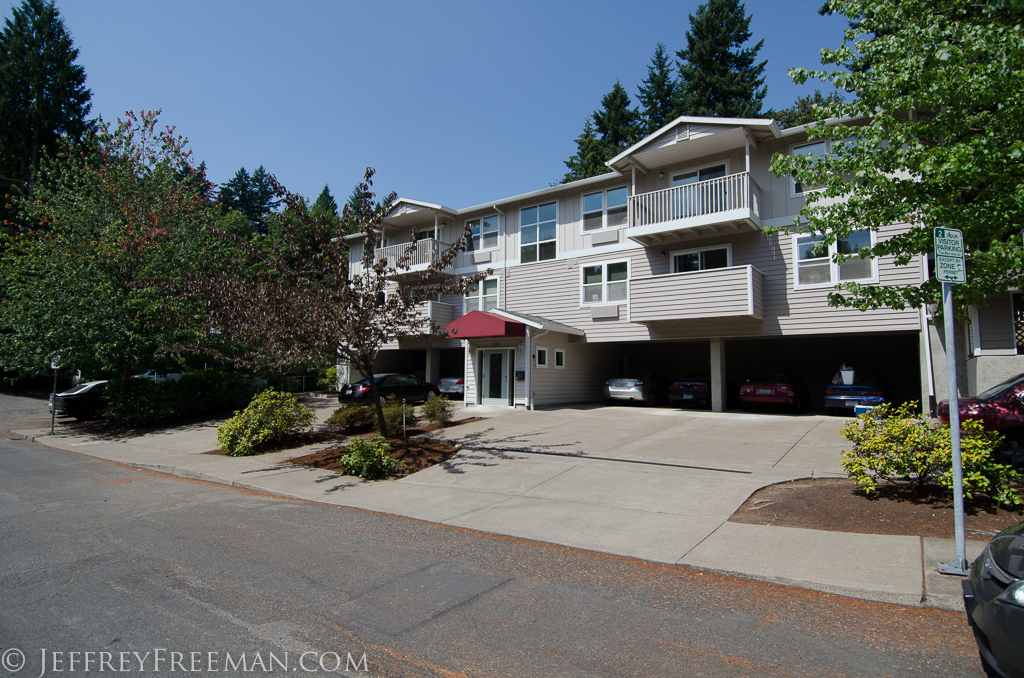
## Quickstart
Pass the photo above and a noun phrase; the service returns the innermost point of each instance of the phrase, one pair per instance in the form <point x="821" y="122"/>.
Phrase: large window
<point x="537" y="233"/>
<point x="605" y="209"/>
<point x="483" y="234"/>
<point x="815" y="264"/>
<point x="606" y="283"/>
<point x="815" y="148"/>
<point x="481" y="296"/>
<point x="701" y="259"/>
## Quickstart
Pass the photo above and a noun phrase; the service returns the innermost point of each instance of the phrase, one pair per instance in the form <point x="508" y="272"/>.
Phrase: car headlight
<point x="1014" y="594"/>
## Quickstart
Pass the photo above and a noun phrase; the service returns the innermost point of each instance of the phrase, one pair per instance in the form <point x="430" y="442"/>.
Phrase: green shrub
<point x="439" y="409"/>
<point x="270" y="417"/>
<point x="893" y="444"/>
<point x="140" y="402"/>
<point x="351" y="416"/>
<point x="393" y="415"/>
<point x="328" y="379"/>
<point x="206" y="392"/>
<point x="370" y="459"/>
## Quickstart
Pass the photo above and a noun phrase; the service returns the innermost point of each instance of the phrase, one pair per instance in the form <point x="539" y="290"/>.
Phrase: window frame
<point x="497" y="233"/>
<point x="697" y="168"/>
<point x="559" y="353"/>
<point x="604" y="282"/>
<point x="480" y="296"/>
<point x="693" y="250"/>
<point x="833" y="266"/>
<point x="827" y="141"/>
<point x="539" y="364"/>
<point x="604" y="209"/>
<point x="537" y="242"/>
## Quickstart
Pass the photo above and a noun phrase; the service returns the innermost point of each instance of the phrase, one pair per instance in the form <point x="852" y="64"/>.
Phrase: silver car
<point x="645" y="387"/>
<point x="452" y="386"/>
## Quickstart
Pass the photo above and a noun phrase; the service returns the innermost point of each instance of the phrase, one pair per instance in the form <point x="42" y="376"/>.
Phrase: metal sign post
<point x="54" y="364"/>
<point x="950" y="269"/>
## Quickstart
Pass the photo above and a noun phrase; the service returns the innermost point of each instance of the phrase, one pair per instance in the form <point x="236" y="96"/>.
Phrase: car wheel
<point x="798" y="407"/>
<point x="1013" y="449"/>
<point x="651" y="399"/>
<point x="430" y="394"/>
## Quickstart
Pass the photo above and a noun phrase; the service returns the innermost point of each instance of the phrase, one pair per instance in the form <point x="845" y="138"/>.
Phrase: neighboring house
<point x="662" y="264"/>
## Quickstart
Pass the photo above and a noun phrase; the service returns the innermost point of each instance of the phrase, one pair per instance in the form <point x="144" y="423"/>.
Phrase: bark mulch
<point x="836" y="504"/>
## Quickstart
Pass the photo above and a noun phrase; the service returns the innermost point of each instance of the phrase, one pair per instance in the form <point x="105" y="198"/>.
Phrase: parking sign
<point x="949" y="256"/>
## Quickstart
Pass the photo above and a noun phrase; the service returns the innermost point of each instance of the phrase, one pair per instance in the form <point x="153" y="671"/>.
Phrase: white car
<point x="159" y="377"/>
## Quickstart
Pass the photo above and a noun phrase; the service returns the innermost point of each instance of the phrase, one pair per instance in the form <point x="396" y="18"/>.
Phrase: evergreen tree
<point x="42" y="91"/>
<point x="254" y="196"/>
<point x="616" y="122"/>
<point x="236" y="194"/>
<point x="325" y="203"/>
<point x="658" y="92"/>
<point x="804" y="110"/>
<point x="591" y="153"/>
<point x="717" y="76"/>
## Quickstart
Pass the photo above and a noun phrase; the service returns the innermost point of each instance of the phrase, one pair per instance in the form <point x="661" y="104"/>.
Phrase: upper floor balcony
<point x="420" y="254"/>
<point x="736" y="291"/>
<point x="701" y="208"/>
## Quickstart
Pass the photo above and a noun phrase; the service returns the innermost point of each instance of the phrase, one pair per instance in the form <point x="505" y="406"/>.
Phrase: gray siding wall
<point x="734" y="291"/>
<point x="995" y="326"/>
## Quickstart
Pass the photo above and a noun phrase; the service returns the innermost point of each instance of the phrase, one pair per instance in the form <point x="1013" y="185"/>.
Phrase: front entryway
<point x="494" y="384"/>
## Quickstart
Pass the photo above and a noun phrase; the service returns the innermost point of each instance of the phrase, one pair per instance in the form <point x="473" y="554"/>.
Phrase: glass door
<point x="494" y="382"/>
<point x="700" y="198"/>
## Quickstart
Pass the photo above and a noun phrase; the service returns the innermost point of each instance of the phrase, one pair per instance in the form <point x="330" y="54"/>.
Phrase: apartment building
<point x="663" y="264"/>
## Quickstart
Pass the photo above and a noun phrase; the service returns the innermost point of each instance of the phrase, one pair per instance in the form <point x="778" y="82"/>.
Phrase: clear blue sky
<point x="452" y="102"/>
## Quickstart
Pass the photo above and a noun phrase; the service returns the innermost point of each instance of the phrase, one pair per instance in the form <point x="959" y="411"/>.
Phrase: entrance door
<point x="494" y="382"/>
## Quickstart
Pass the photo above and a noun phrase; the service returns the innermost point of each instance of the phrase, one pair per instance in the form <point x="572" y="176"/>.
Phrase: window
<point x="481" y="296"/>
<point x="606" y="283"/>
<point x="559" y="358"/>
<point x="815" y="148"/>
<point x="701" y="259"/>
<point x="542" y="356"/>
<point x="483" y="234"/>
<point x="537" y="233"/>
<point x="703" y="199"/>
<point x="605" y="209"/>
<point x="815" y="265"/>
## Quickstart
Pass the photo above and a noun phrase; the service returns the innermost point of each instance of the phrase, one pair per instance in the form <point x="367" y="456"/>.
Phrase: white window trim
<point x="481" y="219"/>
<point x="559" y="352"/>
<point x="604" y="209"/>
<point x="519" y="226"/>
<point x="537" y="358"/>
<point x="726" y="246"/>
<point x="696" y="168"/>
<point x="604" y="282"/>
<point x="833" y="266"/>
<point x="793" y="193"/>
<point x="497" y="294"/>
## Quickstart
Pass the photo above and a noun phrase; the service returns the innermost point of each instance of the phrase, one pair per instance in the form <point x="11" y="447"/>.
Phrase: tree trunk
<point x="382" y="425"/>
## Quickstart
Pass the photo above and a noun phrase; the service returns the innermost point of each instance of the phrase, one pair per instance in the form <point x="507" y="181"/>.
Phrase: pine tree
<point x="657" y="95"/>
<point x="805" y="109"/>
<point x="616" y="123"/>
<point x="264" y="199"/>
<point x="325" y="203"/>
<point x="717" y="76"/>
<point x="236" y="194"/>
<point x="42" y="91"/>
<point x="591" y="152"/>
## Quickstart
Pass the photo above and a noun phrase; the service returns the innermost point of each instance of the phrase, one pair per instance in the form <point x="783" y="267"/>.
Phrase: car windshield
<point x="1001" y="389"/>
<point x="768" y="376"/>
<point x="78" y="389"/>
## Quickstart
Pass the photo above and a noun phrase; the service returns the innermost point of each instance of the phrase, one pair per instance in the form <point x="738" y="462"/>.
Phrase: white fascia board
<point x="425" y="205"/>
<point x="542" y="192"/>
<point x="831" y="122"/>
<point x="564" y="329"/>
<point x="732" y="122"/>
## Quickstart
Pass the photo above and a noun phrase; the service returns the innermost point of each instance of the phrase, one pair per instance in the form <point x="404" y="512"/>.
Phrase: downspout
<point x="502" y="285"/>
<point x="529" y="366"/>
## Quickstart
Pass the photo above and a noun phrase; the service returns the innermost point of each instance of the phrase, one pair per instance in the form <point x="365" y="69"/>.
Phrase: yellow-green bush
<point x="270" y="417"/>
<point x="355" y="416"/>
<point x="893" y="444"/>
<point x="439" y="409"/>
<point x="370" y="459"/>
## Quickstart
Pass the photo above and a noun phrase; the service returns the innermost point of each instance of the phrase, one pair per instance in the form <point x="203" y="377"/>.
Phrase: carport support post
<point x="432" y="370"/>
<point x="958" y="565"/>
<point x="718" y="387"/>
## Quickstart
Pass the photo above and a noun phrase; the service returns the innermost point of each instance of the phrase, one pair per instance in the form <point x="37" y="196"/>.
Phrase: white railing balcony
<point x="701" y="207"/>
<point x="423" y="253"/>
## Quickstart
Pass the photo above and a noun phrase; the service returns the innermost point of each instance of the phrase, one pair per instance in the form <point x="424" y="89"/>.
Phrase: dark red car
<point x="774" y="387"/>
<point x="1001" y="408"/>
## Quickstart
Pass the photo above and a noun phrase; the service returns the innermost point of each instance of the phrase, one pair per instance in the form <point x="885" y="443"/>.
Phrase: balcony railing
<point x="729" y="199"/>
<point x="717" y="293"/>
<point x="424" y="252"/>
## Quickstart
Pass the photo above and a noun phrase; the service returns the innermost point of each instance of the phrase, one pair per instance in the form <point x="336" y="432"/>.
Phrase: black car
<point x="696" y="391"/>
<point x="994" y="602"/>
<point x="399" y="385"/>
<point x="81" y="402"/>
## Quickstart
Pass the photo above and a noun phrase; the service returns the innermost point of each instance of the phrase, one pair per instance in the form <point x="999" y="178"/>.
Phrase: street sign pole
<point x="950" y="268"/>
<point x="54" y="364"/>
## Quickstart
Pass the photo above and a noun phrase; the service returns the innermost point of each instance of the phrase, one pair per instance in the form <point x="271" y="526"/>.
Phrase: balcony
<point x="423" y="253"/>
<point x="699" y="295"/>
<point x="700" y="208"/>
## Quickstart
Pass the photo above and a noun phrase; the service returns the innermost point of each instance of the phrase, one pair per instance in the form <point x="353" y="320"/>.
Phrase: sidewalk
<point x="584" y="478"/>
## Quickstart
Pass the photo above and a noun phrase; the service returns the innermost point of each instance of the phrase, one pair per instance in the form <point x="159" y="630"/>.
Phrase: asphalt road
<point x="98" y="558"/>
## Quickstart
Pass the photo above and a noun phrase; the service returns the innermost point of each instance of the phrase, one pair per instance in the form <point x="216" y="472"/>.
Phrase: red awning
<point x="481" y="324"/>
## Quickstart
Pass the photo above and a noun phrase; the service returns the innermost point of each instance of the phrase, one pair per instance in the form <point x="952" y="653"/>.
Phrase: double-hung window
<point x="606" y="283"/>
<point x="818" y="148"/>
<point x="483" y="234"/>
<point x="481" y="296"/>
<point x="605" y="209"/>
<point x="701" y="259"/>
<point x="815" y="264"/>
<point x="537" y="233"/>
